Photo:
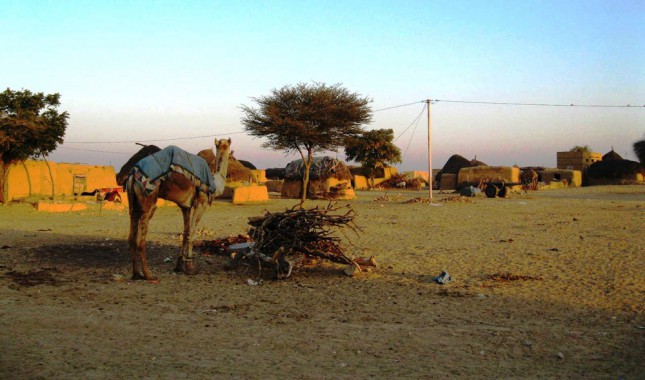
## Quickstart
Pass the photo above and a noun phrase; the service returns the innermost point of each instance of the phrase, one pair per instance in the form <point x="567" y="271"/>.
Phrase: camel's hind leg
<point x="192" y="216"/>
<point x="132" y="242"/>
<point x="142" y="231"/>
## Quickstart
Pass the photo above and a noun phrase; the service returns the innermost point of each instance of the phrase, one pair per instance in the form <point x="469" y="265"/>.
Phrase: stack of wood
<point x="310" y="232"/>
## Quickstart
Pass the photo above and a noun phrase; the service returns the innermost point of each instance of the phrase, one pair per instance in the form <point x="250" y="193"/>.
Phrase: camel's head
<point x="223" y="144"/>
<point x="222" y="151"/>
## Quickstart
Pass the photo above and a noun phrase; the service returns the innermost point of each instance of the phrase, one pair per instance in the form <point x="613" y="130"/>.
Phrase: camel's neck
<point x="222" y="163"/>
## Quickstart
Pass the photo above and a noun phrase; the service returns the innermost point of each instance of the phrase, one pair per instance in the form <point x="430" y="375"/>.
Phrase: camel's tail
<point x="133" y="201"/>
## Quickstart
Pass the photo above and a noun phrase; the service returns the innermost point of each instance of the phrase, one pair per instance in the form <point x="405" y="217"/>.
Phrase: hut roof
<point x="321" y="168"/>
<point x="247" y="164"/>
<point x="611" y="156"/>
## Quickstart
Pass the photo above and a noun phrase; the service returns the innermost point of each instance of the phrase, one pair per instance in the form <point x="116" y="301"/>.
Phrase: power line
<point x="433" y="101"/>
<point x="92" y="150"/>
<point x="136" y="141"/>
<point x="399" y="106"/>
<point x="536" y="104"/>
<point x="414" y="130"/>
<point x="416" y="120"/>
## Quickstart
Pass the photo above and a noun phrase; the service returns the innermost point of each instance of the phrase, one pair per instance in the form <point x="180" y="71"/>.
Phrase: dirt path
<point x="549" y="284"/>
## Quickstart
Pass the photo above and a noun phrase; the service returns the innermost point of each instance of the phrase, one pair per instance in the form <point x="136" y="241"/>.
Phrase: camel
<point x="181" y="182"/>
<point x="529" y="179"/>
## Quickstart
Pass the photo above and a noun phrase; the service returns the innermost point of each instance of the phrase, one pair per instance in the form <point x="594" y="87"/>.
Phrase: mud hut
<point x="452" y="167"/>
<point x="328" y="178"/>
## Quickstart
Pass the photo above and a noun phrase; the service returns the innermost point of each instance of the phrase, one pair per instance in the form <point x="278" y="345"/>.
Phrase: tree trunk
<point x="51" y="175"/>
<point x="305" y="177"/>
<point x="28" y="176"/>
<point x="4" y="171"/>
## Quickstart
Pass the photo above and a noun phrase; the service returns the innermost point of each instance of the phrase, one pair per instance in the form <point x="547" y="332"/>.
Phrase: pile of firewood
<point x="276" y="239"/>
<point x="310" y="232"/>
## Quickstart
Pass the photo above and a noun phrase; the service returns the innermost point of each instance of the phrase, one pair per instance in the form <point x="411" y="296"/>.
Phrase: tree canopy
<point x="30" y="125"/>
<point x="580" y="148"/>
<point x="639" y="149"/>
<point x="307" y="118"/>
<point x="373" y="149"/>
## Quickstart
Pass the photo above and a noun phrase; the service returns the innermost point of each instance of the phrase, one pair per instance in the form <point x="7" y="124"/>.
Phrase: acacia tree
<point x="373" y="149"/>
<point x="307" y="118"/>
<point x="30" y="126"/>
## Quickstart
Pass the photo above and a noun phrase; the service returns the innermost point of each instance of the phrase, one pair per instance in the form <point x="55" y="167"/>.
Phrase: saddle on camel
<point x="177" y="176"/>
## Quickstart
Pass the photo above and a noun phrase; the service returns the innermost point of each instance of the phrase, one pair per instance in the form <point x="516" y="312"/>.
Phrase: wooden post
<point x="430" y="176"/>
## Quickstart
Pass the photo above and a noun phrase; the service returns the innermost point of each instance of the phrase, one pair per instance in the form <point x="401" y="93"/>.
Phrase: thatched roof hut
<point x="615" y="172"/>
<point x="328" y="177"/>
<point x="321" y="168"/>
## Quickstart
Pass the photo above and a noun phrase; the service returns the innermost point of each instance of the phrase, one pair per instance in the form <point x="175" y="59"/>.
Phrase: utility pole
<point x="430" y="176"/>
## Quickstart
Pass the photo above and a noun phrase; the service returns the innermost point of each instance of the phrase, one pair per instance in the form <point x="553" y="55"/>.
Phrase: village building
<point x="577" y="160"/>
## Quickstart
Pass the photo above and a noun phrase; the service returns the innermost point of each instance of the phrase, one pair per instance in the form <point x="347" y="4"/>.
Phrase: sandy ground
<point x="549" y="284"/>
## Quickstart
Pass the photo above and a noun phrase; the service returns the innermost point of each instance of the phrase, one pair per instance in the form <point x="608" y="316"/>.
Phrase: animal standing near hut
<point x="180" y="177"/>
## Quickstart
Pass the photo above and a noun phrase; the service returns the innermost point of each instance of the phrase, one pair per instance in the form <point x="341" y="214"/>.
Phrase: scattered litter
<point x="418" y="200"/>
<point x="443" y="278"/>
<point x="507" y="277"/>
<point x="457" y="199"/>
<point x="387" y="198"/>
<point x="253" y="282"/>
<point x="167" y="260"/>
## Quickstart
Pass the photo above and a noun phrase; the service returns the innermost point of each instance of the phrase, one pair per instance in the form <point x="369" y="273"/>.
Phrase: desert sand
<point x="546" y="284"/>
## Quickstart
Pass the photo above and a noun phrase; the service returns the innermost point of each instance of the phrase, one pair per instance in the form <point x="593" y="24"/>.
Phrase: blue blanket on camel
<point x="153" y="169"/>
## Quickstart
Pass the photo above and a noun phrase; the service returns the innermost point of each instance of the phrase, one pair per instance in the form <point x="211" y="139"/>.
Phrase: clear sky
<point x="177" y="70"/>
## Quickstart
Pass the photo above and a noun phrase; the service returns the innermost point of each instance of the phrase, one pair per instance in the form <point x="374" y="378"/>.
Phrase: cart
<point x="494" y="189"/>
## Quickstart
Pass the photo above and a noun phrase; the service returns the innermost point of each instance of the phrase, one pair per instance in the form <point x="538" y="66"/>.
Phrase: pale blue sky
<point x="143" y="70"/>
